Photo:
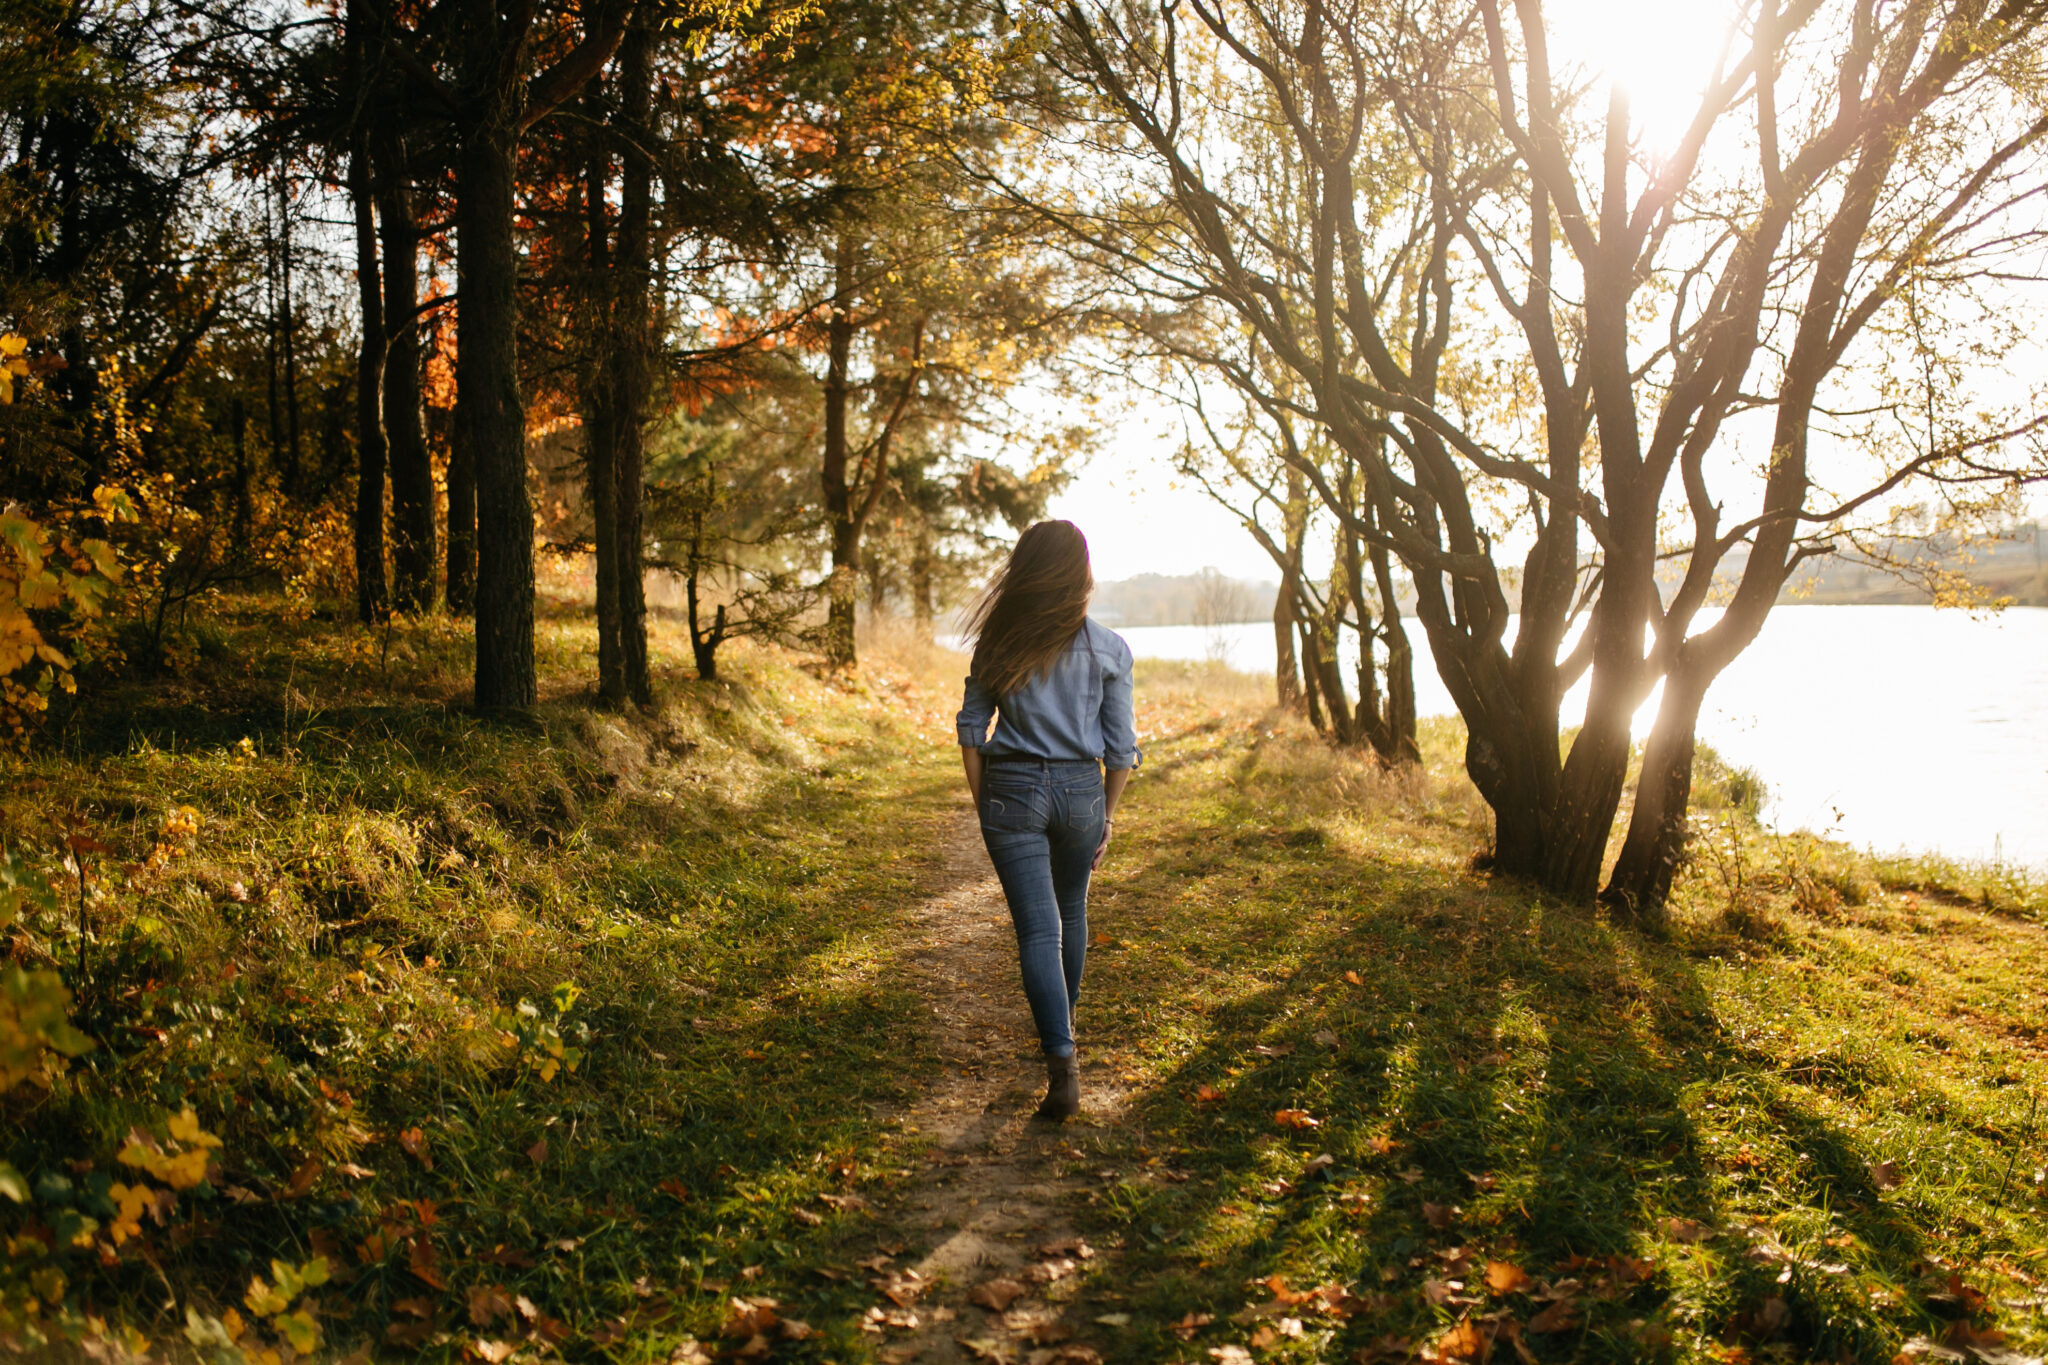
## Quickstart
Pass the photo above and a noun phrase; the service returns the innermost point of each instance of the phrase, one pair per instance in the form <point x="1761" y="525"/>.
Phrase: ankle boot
<point x="1062" y="1089"/>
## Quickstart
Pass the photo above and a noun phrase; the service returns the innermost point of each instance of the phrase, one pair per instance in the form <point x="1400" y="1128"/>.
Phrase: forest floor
<point x="696" y="1036"/>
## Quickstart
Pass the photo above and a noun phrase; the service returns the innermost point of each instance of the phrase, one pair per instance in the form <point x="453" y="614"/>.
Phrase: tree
<point x="1467" y="202"/>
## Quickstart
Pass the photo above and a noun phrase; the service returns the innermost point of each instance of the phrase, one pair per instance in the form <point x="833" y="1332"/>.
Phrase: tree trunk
<point x="1400" y="712"/>
<point x="461" y="589"/>
<point x="369" y="520"/>
<point x="1286" y="670"/>
<point x="238" y="421"/>
<point x="293" y="445"/>
<point x="1655" y="845"/>
<point x="921" y="580"/>
<point x="601" y="408"/>
<point x="493" y="419"/>
<point x="839" y="513"/>
<point x="1311" y="690"/>
<point x="638" y="338"/>
<point x="412" y="468"/>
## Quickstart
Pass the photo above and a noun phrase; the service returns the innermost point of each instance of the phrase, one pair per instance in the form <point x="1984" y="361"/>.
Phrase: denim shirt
<point x="1080" y="711"/>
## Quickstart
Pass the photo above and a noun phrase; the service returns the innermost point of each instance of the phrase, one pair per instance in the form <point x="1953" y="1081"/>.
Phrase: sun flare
<point x="1661" y="52"/>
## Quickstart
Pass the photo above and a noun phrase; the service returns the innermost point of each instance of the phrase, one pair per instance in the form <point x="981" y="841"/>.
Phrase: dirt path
<point x="978" y="1259"/>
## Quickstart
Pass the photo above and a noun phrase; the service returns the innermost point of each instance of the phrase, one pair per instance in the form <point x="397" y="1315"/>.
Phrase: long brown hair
<point x="1033" y="609"/>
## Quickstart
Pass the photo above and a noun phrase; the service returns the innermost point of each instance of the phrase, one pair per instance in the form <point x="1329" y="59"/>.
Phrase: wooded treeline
<point x="816" y="295"/>
<point x="323" y="279"/>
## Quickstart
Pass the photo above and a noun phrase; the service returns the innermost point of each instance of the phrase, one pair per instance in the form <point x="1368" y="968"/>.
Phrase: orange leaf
<point x="423" y="1263"/>
<point x="538" y="1152"/>
<point x="414" y="1143"/>
<point x="1504" y="1277"/>
<point x="303" y="1178"/>
<point x="1464" y="1341"/>
<point x="1354" y="978"/>
<point x="1296" y="1118"/>
<point x="1207" y="1094"/>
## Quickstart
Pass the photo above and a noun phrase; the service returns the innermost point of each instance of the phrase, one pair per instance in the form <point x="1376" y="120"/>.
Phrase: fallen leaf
<point x="1274" y="1050"/>
<point x="1557" y="1317"/>
<point x="1485" y="1180"/>
<point x="1045" y="1272"/>
<point x="678" y="1191"/>
<point x="1504" y="1277"/>
<point x="1439" y="1216"/>
<point x="1440" y="1292"/>
<point x="353" y="1171"/>
<point x="807" y="1217"/>
<point x="1328" y="1039"/>
<point x="1037" y="1322"/>
<point x="492" y="1351"/>
<point x="1296" y="1118"/>
<point x="1464" y="1341"/>
<point x="1685" y="1230"/>
<point x="995" y="1295"/>
<point x="538" y="1152"/>
<point x="413" y="1142"/>
<point x="1071" y="1246"/>
<point x="1233" y="1354"/>
<point x="1354" y="978"/>
<point x="1884" y="1174"/>
<point x="843" y="1201"/>
<point x="303" y="1178"/>
<point x="902" y="1287"/>
<point x="1317" y="1165"/>
<point x="488" y="1303"/>
<point x="1379" y="1144"/>
<point x="1207" y="1094"/>
<point x="1190" y="1324"/>
<point x="424" y="1263"/>
<point x="1114" y="1319"/>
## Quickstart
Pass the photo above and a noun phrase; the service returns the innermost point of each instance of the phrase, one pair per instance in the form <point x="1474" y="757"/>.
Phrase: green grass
<point x="1779" y="1131"/>
<point x="380" y="883"/>
<point x="1782" y="1130"/>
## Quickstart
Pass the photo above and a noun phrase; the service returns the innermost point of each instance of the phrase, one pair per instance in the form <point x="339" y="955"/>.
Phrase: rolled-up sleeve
<point x="977" y="709"/>
<point x="1119" y="719"/>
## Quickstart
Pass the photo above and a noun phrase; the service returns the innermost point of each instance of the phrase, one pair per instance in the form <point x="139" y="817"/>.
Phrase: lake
<point x="1897" y="728"/>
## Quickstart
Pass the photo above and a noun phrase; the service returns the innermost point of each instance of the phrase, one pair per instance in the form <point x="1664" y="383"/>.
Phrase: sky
<point x="1140" y="517"/>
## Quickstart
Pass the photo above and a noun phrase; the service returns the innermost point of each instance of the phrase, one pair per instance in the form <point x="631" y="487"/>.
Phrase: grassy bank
<point x="549" y="1038"/>
<point x="539" y="1034"/>
<point x="1803" y="1126"/>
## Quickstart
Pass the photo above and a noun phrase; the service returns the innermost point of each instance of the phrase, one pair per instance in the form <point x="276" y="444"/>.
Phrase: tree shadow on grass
<point x="1497" y="1078"/>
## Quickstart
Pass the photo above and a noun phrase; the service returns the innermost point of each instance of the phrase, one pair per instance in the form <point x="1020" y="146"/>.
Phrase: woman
<point x="1047" y="780"/>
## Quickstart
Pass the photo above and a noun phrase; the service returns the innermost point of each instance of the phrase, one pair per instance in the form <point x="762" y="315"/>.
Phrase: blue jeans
<point x="1042" y="822"/>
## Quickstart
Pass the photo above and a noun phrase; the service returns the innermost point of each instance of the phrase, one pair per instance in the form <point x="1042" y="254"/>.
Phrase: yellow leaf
<point x="185" y="1124"/>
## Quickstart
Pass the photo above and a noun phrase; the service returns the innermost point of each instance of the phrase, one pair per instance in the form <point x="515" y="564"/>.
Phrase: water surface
<point x="1895" y="727"/>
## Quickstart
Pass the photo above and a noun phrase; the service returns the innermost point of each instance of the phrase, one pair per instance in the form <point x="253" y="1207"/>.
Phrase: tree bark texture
<point x="490" y="413"/>
<point x="461" y="586"/>
<point x="412" y="467"/>
<point x="839" y="509"/>
<point x="637" y="331"/>
<point x="601" y="407"/>
<point x="370" y="448"/>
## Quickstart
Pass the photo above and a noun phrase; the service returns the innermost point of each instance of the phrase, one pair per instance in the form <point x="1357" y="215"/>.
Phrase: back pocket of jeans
<point x="1011" y="809"/>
